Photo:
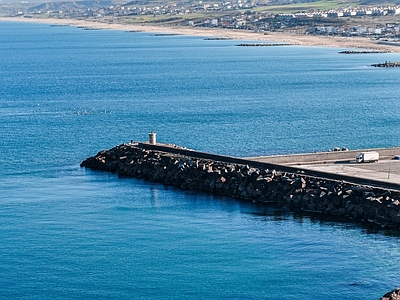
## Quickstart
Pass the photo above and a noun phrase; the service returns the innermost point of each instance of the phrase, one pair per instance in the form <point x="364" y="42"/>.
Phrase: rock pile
<point x="361" y="52"/>
<point x="295" y="190"/>
<point x="263" y="45"/>
<point x="387" y="64"/>
<point x="392" y="295"/>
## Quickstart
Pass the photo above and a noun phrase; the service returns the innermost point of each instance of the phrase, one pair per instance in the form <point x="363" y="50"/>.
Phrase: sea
<point x="67" y="232"/>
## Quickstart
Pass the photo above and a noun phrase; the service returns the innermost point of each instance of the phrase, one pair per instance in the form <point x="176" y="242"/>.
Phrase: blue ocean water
<point x="71" y="233"/>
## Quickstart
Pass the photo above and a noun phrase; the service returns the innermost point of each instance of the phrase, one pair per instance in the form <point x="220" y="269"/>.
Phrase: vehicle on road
<point x="367" y="157"/>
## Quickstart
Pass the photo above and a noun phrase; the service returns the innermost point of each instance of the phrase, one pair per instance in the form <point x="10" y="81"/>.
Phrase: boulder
<point x="392" y="295"/>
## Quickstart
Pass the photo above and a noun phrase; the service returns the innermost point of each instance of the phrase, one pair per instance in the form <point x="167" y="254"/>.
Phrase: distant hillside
<point x="270" y="2"/>
<point x="378" y="2"/>
<point x="56" y="6"/>
<point x="183" y="2"/>
<point x="14" y="6"/>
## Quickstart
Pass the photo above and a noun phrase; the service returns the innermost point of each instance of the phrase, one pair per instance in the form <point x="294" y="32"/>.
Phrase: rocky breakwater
<point x="392" y="295"/>
<point x="264" y="45"/>
<point x="387" y="64"/>
<point x="294" y="190"/>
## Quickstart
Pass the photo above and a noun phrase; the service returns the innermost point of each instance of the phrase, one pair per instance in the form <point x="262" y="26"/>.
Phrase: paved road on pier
<point x="371" y="174"/>
<point x="383" y="170"/>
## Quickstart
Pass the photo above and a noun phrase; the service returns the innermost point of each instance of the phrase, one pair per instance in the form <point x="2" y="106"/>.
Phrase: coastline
<point x="290" y="38"/>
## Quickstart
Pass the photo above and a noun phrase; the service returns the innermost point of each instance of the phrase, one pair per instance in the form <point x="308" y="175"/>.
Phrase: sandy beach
<point x="290" y="38"/>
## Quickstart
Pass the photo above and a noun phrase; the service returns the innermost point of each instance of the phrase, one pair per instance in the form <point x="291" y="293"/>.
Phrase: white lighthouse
<point x="152" y="138"/>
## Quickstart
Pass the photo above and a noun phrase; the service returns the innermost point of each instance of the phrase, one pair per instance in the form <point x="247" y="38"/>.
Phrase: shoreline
<point x="279" y="37"/>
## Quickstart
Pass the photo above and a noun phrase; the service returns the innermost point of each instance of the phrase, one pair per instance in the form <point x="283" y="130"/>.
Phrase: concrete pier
<point x="387" y="169"/>
<point x="305" y="189"/>
<point x="325" y="157"/>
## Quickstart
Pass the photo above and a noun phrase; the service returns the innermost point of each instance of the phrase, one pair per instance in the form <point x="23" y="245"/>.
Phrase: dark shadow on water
<point x="274" y="212"/>
<point x="271" y="211"/>
<point x="328" y="220"/>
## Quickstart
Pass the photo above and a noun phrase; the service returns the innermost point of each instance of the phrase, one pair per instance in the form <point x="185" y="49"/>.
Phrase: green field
<point x="273" y="9"/>
<point x="300" y="7"/>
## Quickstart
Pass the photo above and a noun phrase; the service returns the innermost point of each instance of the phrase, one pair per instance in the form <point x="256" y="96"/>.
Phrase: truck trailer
<point x="367" y="157"/>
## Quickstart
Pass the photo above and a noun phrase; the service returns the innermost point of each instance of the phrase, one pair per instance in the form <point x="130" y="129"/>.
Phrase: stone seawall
<point x="295" y="190"/>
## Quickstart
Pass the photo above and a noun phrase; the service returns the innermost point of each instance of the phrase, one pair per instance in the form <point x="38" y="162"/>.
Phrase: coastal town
<point x="376" y="22"/>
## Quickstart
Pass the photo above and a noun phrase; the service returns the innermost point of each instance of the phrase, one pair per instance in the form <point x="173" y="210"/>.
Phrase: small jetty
<point x="325" y="194"/>
<point x="387" y="64"/>
<point x="89" y="28"/>
<point x="217" y="39"/>
<point x="392" y="295"/>
<point x="264" y="45"/>
<point x="361" y="52"/>
<point x="166" y="34"/>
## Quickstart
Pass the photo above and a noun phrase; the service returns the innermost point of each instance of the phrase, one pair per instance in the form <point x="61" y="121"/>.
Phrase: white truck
<point x="367" y="157"/>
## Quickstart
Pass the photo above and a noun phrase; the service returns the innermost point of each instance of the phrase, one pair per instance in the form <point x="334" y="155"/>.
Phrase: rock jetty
<point x="392" y="295"/>
<point x="263" y="45"/>
<point x="217" y="39"/>
<point x="361" y="52"/>
<point x="387" y="64"/>
<point x="244" y="181"/>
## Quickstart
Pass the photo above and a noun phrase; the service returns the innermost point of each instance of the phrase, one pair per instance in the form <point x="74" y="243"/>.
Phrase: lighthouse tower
<point x="152" y="138"/>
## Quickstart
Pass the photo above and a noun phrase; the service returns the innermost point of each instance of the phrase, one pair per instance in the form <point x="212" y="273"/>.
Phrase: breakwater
<point x="361" y="52"/>
<point x="264" y="45"/>
<point x="325" y="157"/>
<point x="249" y="180"/>
<point x="217" y="39"/>
<point x="392" y="295"/>
<point x="387" y="64"/>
